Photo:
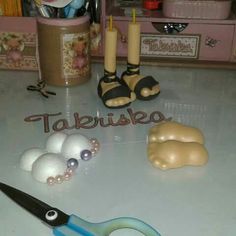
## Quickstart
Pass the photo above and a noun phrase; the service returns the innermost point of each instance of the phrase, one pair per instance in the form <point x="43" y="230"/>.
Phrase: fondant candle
<point x="134" y="41"/>
<point x="110" y="47"/>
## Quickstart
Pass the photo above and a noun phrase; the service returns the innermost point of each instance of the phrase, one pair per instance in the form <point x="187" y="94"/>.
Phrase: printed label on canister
<point x="75" y="55"/>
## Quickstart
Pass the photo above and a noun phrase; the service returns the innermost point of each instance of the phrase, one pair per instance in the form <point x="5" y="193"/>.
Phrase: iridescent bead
<point x="59" y="179"/>
<point x="50" y="180"/>
<point x="86" y="155"/>
<point x="72" y="163"/>
<point x="67" y="175"/>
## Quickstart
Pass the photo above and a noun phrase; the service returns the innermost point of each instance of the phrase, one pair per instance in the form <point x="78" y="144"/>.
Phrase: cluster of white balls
<point x="60" y="158"/>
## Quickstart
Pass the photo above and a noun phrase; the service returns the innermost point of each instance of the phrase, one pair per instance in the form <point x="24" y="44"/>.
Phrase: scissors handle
<point x="79" y="227"/>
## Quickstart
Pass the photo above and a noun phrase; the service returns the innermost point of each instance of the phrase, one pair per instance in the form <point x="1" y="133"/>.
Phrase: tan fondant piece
<point x="134" y="43"/>
<point x="173" y="145"/>
<point x="134" y="59"/>
<point x="110" y="67"/>
<point x="174" y="154"/>
<point x="110" y="50"/>
<point x="175" y="131"/>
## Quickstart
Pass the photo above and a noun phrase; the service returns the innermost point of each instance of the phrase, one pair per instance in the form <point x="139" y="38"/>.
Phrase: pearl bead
<point x="93" y="140"/>
<point x="86" y="155"/>
<point x="96" y="149"/>
<point x="50" y="180"/>
<point x="96" y="145"/>
<point x="93" y="151"/>
<point x="72" y="163"/>
<point x="67" y="175"/>
<point x="69" y="170"/>
<point x="59" y="179"/>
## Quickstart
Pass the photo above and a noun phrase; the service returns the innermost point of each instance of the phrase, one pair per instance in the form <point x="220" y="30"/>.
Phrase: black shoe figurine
<point x="113" y="93"/>
<point x="144" y="87"/>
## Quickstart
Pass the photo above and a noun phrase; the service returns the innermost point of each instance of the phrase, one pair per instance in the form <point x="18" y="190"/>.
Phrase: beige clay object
<point x="175" y="131"/>
<point x="131" y="77"/>
<point x="110" y="90"/>
<point x="173" y="145"/>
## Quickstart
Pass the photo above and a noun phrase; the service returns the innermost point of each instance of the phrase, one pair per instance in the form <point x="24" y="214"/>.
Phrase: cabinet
<point x="168" y="41"/>
<point x="190" y="41"/>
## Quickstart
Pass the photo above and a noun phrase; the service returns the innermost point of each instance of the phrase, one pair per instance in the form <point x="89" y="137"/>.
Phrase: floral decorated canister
<point x="64" y="50"/>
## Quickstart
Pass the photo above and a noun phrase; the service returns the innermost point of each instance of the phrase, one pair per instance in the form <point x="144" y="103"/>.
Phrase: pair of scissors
<point x="72" y="225"/>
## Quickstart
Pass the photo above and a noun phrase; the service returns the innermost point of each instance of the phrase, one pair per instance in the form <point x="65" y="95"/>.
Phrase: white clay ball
<point x="29" y="156"/>
<point x="74" y="145"/>
<point x="55" y="141"/>
<point x="48" y="165"/>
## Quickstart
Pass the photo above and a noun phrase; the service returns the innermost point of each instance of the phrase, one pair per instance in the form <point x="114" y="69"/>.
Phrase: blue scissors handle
<point x="79" y="227"/>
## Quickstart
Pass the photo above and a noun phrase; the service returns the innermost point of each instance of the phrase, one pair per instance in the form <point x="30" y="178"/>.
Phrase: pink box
<point x="198" y="9"/>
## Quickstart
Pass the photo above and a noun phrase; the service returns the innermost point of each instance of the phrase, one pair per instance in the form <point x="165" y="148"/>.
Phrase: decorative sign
<point x="174" y="46"/>
<point x="91" y="122"/>
<point x="17" y="51"/>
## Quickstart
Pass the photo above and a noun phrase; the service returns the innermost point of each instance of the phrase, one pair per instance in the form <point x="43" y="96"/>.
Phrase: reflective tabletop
<point x="120" y="180"/>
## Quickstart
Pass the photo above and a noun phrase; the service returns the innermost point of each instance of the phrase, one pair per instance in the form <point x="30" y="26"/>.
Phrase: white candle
<point x="134" y="41"/>
<point x="110" y="48"/>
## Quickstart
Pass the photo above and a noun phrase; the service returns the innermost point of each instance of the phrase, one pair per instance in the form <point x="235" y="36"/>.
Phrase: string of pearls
<point x="73" y="163"/>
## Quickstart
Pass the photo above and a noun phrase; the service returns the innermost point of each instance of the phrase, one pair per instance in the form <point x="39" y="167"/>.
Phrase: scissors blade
<point x="51" y="216"/>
